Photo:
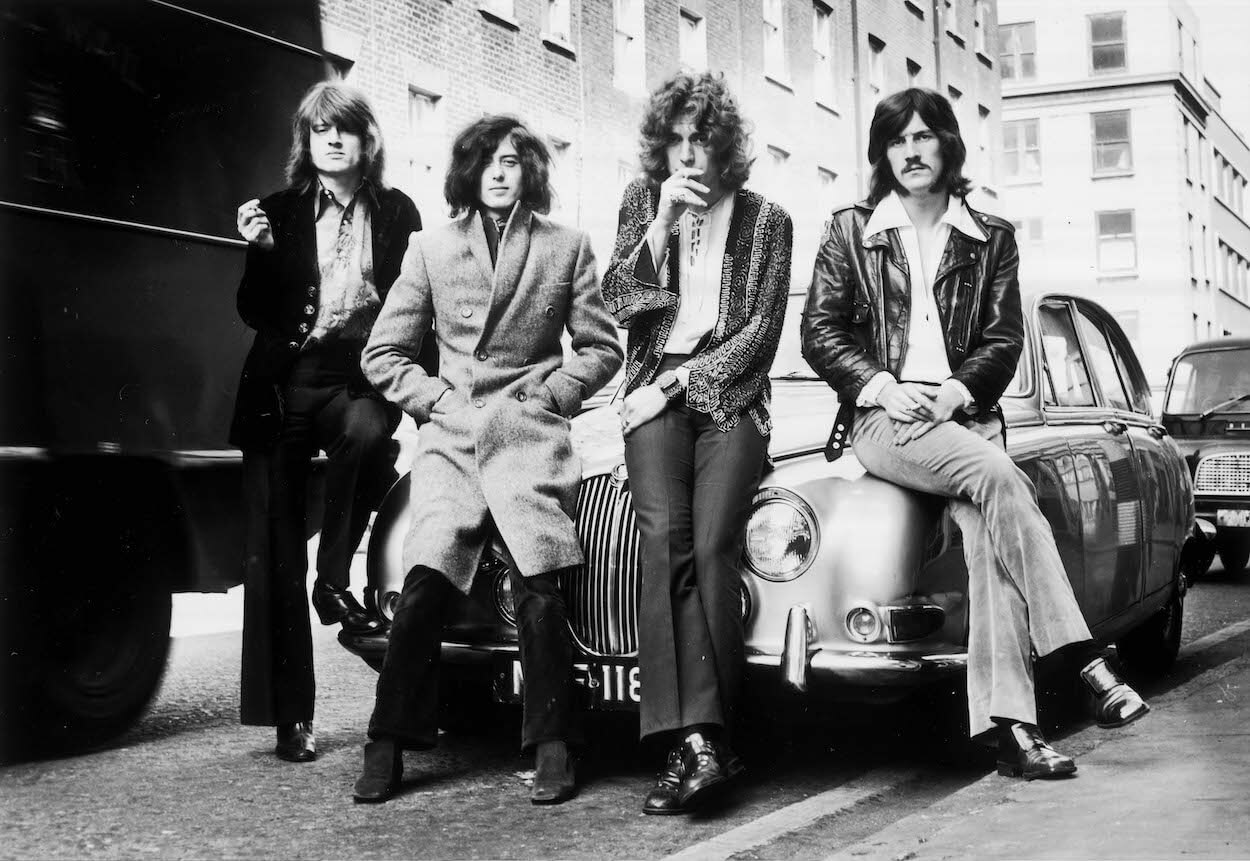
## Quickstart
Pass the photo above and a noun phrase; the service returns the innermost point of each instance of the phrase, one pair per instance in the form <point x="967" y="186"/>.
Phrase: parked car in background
<point x="850" y="582"/>
<point x="1206" y="408"/>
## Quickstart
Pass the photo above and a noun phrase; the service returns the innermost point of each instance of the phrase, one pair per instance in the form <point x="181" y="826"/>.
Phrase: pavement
<point x="1175" y="784"/>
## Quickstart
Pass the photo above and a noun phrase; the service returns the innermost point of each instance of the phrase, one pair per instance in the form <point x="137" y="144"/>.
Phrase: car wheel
<point x="1234" y="551"/>
<point x="1152" y="646"/>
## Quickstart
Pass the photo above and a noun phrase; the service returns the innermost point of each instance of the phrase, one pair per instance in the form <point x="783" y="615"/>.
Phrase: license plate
<point x="605" y="685"/>
<point x="1232" y="517"/>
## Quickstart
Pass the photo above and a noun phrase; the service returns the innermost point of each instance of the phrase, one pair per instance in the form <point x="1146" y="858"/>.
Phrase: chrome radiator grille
<point x="1224" y="473"/>
<point x="602" y="595"/>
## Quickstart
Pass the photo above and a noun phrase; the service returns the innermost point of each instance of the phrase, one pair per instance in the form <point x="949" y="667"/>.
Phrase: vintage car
<point x="1206" y="409"/>
<point x="850" y="583"/>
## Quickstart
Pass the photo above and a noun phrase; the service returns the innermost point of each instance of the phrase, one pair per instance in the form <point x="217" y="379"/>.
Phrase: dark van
<point x="1207" y="410"/>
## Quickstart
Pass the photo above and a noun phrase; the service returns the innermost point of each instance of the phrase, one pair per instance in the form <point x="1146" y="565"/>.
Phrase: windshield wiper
<point x="1228" y="403"/>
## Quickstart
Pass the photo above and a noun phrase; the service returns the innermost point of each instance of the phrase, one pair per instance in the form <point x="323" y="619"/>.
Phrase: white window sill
<point x="779" y="81"/>
<point x="957" y="37"/>
<point x="558" y="45"/>
<point x="1111" y="174"/>
<point x="829" y="106"/>
<point x="503" y="20"/>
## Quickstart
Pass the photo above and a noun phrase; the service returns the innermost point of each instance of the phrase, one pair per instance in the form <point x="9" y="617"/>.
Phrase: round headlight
<point x="387" y="604"/>
<point x="781" y="536"/>
<point x="863" y="625"/>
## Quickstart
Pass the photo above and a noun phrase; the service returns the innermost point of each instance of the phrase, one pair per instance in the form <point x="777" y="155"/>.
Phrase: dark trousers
<point x="692" y="487"/>
<point x="406" y="708"/>
<point x="319" y="414"/>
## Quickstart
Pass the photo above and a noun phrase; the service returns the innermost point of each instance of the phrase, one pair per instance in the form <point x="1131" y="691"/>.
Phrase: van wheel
<point x="1151" y="647"/>
<point x="1234" y="551"/>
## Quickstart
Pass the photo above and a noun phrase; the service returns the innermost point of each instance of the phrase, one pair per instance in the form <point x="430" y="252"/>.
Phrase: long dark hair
<point x="346" y="108"/>
<point x="472" y="151"/>
<point x="705" y="99"/>
<point x="892" y="115"/>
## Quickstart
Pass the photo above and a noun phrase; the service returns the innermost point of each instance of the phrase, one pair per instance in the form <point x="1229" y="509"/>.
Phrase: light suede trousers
<point x="1020" y="600"/>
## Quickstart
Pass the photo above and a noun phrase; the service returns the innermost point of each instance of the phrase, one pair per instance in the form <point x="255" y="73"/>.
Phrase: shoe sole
<point x="1135" y="717"/>
<point x="365" y="799"/>
<point x="677" y="811"/>
<point x="298" y="758"/>
<point x="707" y="794"/>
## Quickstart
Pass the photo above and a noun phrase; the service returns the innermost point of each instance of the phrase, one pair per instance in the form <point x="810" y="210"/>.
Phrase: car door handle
<point x="1114" y="428"/>
<point x="1157" y="431"/>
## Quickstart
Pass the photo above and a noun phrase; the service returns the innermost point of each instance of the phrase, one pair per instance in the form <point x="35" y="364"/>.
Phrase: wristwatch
<point x="669" y="384"/>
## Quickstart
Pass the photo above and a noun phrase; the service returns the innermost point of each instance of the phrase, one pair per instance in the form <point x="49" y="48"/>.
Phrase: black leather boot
<point x="555" y="778"/>
<point x="296" y="742"/>
<point x="384" y="766"/>
<point x="1115" y="703"/>
<point x="335" y="606"/>
<point x="707" y="772"/>
<point x="662" y="799"/>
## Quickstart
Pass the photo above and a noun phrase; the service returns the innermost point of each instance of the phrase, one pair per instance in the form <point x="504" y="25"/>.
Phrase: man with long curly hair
<point x="494" y="454"/>
<point x="699" y="276"/>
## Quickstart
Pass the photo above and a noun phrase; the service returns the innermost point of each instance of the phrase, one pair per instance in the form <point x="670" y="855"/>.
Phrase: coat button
<point x="312" y="290"/>
<point x="292" y="345"/>
<point x="479" y="403"/>
<point x="466" y="311"/>
<point x="303" y="328"/>
<point x="482" y="355"/>
<point x="308" y="309"/>
<point x="550" y="312"/>
<point x="521" y="396"/>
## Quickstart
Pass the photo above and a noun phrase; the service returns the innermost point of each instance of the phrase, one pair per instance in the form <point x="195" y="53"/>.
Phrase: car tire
<point x="1151" y="647"/>
<point x="1234" y="552"/>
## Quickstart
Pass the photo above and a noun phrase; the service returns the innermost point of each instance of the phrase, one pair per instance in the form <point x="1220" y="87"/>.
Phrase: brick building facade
<point x="807" y="74"/>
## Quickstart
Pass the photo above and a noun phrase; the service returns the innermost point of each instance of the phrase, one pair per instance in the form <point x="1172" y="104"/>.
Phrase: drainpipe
<point x="858" y="97"/>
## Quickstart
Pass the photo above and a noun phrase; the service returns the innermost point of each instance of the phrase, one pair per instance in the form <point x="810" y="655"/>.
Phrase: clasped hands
<point x="916" y="409"/>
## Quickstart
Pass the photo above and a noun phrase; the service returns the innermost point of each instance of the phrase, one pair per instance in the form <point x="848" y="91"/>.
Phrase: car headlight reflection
<point x="781" y="535"/>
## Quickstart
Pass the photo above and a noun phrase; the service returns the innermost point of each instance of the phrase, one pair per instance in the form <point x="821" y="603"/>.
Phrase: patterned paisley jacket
<point x="729" y="376"/>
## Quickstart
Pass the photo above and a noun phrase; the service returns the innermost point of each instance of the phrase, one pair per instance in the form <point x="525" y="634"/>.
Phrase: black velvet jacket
<point x="859" y="304"/>
<point x="280" y="286"/>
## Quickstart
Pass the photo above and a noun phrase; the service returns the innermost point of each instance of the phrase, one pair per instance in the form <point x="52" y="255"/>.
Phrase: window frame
<point x="1015" y="58"/>
<point x="1100" y="238"/>
<point x="1095" y="143"/>
<point x="1022" y="150"/>
<point x="1090" y="44"/>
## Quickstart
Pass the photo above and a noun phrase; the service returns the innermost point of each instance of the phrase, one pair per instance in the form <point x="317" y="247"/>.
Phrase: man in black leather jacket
<point x="914" y="317"/>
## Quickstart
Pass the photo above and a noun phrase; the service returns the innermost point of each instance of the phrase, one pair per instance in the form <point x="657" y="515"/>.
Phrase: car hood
<point x="802" y="412"/>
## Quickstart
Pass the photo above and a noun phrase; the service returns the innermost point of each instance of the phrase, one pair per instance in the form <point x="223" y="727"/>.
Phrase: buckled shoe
<point x="662" y="799"/>
<point x="379" y="779"/>
<point x="1115" y="703"/>
<point x="1022" y="752"/>
<point x="296" y="742"/>
<point x="706" y="773"/>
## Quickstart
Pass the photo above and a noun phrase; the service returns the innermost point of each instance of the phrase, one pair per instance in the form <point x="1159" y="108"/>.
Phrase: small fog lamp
<point x="863" y="625"/>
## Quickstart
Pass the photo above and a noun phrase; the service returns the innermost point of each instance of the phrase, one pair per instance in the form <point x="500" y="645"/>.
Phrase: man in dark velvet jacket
<point x="322" y="255"/>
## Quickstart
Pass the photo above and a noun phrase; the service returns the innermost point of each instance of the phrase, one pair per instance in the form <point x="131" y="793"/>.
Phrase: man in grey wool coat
<point x="496" y="288"/>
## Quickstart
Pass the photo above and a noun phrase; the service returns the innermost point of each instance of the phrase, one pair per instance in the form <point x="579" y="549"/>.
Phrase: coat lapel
<point x="475" y="236"/>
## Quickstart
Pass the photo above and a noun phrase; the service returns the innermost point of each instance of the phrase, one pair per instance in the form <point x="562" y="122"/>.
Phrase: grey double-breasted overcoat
<point x="497" y="445"/>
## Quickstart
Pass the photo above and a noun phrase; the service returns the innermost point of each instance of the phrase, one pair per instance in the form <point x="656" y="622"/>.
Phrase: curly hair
<point x="892" y="115"/>
<point x="472" y="152"/>
<point x="705" y="99"/>
<point x="346" y="108"/>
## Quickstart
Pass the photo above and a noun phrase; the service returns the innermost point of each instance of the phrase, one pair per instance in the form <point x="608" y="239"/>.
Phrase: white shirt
<point x="925" y="360"/>
<point x="702" y="249"/>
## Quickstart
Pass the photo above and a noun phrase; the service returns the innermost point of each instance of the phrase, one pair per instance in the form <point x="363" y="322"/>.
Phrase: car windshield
<point x="1209" y="382"/>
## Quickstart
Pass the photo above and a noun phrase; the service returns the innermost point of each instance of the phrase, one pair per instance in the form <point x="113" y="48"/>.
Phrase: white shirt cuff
<point x="683" y="376"/>
<point x="872" y="388"/>
<point x="963" y="390"/>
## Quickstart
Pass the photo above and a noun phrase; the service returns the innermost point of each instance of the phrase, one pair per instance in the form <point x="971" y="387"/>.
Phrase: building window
<point x="775" y="40"/>
<point x="499" y="8"/>
<point x="1117" y="246"/>
<point x="426" y="146"/>
<point x="1187" y="150"/>
<point x="983" y="142"/>
<point x="1113" y="145"/>
<point x="564" y="201"/>
<point x="822" y="49"/>
<point x="629" y="55"/>
<point x="1107" y="48"/>
<point x="876" y="64"/>
<point x="1193" y="261"/>
<point x="1017" y="51"/>
<point x="1022" y="157"/>
<point x="559" y="23"/>
<point x="979" y="27"/>
<point x="826" y="191"/>
<point x="692" y="42"/>
<point x="1203" y="157"/>
<point x="913" y="73"/>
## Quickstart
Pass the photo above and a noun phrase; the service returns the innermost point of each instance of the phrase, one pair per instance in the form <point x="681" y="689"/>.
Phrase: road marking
<point x="796" y="816"/>
<point x="1220" y="636"/>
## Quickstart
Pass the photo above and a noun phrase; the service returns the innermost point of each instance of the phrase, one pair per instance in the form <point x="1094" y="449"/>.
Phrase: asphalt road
<point x="189" y="782"/>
